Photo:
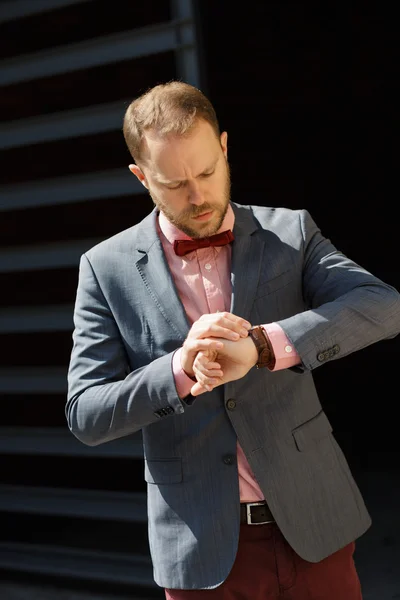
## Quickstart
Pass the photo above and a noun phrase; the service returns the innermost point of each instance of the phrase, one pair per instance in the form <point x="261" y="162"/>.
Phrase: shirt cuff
<point x="183" y="382"/>
<point x="285" y="354"/>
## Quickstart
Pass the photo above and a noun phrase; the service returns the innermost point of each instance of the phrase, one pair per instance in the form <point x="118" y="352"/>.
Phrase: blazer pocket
<point x="163" y="471"/>
<point x="275" y="284"/>
<point x="312" y="431"/>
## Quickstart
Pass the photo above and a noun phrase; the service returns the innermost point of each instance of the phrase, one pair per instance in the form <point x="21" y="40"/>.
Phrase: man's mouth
<point x="204" y="216"/>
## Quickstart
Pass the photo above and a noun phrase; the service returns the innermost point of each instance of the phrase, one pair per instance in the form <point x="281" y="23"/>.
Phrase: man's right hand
<point x="200" y="337"/>
<point x="216" y="367"/>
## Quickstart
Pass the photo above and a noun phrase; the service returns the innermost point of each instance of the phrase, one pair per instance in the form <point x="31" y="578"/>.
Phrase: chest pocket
<point x="273" y="285"/>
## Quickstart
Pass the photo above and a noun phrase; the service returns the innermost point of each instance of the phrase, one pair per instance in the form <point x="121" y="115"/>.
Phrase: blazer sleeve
<point x="105" y="400"/>
<point x="348" y="307"/>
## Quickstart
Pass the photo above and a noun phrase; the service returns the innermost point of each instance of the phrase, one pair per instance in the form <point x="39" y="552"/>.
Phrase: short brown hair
<point x="172" y="107"/>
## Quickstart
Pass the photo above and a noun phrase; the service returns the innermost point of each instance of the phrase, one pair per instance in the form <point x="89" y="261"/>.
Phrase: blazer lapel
<point x="247" y="256"/>
<point x="157" y="278"/>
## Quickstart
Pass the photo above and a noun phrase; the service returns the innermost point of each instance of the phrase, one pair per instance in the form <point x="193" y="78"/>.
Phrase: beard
<point x="182" y="220"/>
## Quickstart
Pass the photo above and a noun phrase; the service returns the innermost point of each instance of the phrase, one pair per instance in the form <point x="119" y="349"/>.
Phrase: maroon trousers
<point x="266" y="568"/>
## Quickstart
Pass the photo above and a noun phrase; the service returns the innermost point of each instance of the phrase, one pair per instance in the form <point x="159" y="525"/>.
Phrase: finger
<point x="226" y="315"/>
<point x="207" y="372"/>
<point x="237" y="320"/>
<point x="205" y="375"/>
<point x="218" y="322"/>
<point x="236" y="324"/>
<point x="204" y="360"/>
<point x="230" y="321"/>
<point x="212" y="366"/>
<point x="198" y="389"/>
<point x="208" y="329"/>
<point x="224" y="329"/>
<point x="204" y="379"/>
<point x="209" y="345"/>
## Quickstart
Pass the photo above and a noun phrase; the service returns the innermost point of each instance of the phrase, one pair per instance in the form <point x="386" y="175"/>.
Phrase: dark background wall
<point x="307" y="95"/>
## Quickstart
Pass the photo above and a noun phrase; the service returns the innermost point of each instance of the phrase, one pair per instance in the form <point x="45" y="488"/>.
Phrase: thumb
<point x="197" y="389"/>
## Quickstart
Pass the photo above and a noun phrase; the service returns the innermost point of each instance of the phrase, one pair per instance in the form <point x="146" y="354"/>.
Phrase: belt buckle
<point x="248" y="513"/>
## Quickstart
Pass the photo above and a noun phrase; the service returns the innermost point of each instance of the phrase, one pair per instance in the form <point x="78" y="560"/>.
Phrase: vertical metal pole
<point x="187" y="54"/>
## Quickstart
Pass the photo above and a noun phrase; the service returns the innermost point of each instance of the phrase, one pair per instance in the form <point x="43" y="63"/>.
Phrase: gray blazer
<point x="129" y="321"/>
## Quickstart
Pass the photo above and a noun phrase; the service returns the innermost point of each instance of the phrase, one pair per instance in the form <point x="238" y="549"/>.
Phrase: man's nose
<point x="196" y="196"/>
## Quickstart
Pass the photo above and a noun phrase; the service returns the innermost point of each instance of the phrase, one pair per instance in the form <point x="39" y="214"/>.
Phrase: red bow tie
<point x="183" y="247"/>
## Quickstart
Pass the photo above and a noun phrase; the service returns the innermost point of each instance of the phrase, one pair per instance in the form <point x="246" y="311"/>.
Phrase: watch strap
<point x="266" y="355"/>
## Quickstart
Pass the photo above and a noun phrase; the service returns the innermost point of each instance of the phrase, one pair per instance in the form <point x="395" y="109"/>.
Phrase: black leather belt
<point x="255" y="513"/>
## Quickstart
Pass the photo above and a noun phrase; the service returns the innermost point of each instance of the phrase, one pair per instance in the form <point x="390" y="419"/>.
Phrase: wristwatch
<point x="266" y="355"/>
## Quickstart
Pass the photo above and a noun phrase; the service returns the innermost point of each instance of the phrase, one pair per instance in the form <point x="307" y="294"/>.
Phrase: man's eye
<point x="208" y="174"/>
<point x="174" y="187"/>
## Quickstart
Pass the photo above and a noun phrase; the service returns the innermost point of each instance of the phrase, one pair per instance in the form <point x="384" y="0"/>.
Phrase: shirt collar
<point x="172" y="233"/>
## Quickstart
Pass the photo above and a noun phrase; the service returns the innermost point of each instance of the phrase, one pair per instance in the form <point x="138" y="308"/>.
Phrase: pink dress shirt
<point x="203" y="282"/>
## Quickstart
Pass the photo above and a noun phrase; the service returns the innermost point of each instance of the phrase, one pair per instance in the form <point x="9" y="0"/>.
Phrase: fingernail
<point x="235" y="336"/>
<point x="243" y="332"/>
<point x="247" y="325"/>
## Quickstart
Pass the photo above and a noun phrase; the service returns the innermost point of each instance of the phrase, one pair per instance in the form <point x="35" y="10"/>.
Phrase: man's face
<point x="188" y="178"/>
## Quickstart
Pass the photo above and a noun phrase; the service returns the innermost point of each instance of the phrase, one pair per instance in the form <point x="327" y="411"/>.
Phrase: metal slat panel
<point x="63" y="125"/>
<point x="50" y="380"/>
<point x="61" y="442"/>
<point x="99" y="51"/>
<point x="78" y="564"/>
<point x="117" y="506"/>
<point x="73" y="188"/>
<point x="12" y="9"/>
<point x="48" y="256"/>
<point x="36" y="319"/>
<point x="36" y="503"/>
<point x="187" y="51"/>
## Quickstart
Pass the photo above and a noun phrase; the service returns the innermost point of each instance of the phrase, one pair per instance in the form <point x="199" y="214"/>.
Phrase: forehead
<point x="170" y="153"/>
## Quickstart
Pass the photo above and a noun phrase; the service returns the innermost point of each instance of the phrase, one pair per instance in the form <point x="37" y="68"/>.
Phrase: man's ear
<point x="224" y="143"/>
<point x="139" y="174"/>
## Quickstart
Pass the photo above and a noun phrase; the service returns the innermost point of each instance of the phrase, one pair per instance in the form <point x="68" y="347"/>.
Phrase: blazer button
<point x="231" y="404"/>
<point x="321" y="356"/>
<point x="228" y="459"/>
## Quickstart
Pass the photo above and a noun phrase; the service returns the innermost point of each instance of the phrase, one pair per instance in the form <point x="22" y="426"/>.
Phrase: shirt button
<point x="231" y="404"/>
<point x="288" y="349"/>
<point x="208" y="266"/>
<point x="228" y="459"/>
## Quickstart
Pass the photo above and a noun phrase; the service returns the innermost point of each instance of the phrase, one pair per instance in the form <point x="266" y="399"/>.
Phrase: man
<point x="249" y="494"/>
